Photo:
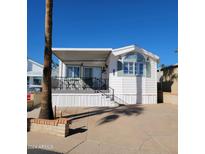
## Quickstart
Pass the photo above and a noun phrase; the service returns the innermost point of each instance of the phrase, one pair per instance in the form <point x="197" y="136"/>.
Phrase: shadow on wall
<point x="169" y="77"/>
<point x="168" y="82"/>
<point x="160" y="97"/>
<point x="165" y="86"/>
<point x="139" y="90"/>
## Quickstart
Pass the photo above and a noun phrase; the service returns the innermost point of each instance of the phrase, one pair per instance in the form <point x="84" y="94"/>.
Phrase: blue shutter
<point x="148" y="69"/>
<point x="119" y="68"/>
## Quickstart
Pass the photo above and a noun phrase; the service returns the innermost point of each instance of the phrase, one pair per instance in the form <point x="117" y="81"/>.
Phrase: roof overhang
<point x="97" y="54"/>
<point x="34" y="62"/>
<point x="82" y="54"/>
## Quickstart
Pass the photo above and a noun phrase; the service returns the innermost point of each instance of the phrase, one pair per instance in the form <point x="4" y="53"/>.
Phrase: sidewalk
<point x="146" y="129"/>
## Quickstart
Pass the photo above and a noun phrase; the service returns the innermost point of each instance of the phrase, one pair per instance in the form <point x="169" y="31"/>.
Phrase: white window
<point x="129" y="67"/>
<point x="133" y="64"/>
<point x="73" y="71"/>
<point x="139" y="68"/>
<point x="133" y="68"/>
<point x="37" y="80"/>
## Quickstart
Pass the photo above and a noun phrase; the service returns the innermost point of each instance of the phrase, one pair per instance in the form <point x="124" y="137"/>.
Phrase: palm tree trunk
<point x="46" y="98"/>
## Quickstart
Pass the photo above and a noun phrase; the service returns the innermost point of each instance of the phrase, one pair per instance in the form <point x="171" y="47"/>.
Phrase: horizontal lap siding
<point x="133" y="85"/>
<point x="115" y="82"/>
<point x="133" y="90"/>
<point x="126" y="90"/>
<point x="34" y="67"/>
<point x="151" y="83"/>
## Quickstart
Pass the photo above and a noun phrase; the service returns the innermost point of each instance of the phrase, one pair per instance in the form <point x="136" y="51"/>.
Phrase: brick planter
<point x="59" y="127"/>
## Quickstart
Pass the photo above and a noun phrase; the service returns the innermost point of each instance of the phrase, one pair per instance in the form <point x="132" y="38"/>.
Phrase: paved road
<point x="145" y="129"/>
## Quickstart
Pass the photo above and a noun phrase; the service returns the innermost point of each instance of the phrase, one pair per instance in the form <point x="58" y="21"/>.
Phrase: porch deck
<point x="79" y="85"/>
<point x="82" y="92"/>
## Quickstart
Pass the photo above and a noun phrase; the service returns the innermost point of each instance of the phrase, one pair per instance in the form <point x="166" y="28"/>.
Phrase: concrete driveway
<point x="143" y="129"/>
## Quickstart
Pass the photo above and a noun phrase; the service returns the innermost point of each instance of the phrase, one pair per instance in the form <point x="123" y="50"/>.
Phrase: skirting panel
<point x="91" y="100"/>
<point x="80" y="100"/>
<point x="136" y="99"/>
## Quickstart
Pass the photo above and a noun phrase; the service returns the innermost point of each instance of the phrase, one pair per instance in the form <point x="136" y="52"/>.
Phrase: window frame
<point x="134" y="67"/>
<point x="37" y="80"/>
<point x="73" y="75"/>
<point x="129" y="65"/>
<point x="127" y="71"/>
<point x="139" y="71"/>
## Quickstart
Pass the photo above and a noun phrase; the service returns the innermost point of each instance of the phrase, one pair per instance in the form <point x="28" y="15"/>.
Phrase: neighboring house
<point x="35" y="73"/>
<point x="168" y="84"/>
<point x="105" y="76"/>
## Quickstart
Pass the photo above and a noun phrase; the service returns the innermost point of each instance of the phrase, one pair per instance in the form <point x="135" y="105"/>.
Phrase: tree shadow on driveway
<point x="115" y="113"/>
<point x="108" y="118"/>
<point x="77" y="130"/>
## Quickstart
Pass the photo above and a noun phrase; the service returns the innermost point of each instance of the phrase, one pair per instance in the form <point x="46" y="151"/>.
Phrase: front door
<point x="88" y="72"/>
<point x="97" y="72"/>
<point x="92" y="76"/>
<point x="88" y="77"/>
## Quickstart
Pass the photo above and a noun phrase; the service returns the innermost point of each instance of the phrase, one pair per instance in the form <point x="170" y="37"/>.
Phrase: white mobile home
<point x="105" y="76"/>
<point x="35" y="73"/>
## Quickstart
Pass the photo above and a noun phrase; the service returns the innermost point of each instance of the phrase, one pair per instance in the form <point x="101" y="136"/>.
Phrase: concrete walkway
<point x="143" y="129"/>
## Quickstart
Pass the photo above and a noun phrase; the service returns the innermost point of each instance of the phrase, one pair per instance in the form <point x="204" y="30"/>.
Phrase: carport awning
<point x="82" y="54"/>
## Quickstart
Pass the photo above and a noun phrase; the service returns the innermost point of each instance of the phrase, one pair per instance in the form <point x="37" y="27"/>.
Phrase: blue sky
<point x="151" y="24"/>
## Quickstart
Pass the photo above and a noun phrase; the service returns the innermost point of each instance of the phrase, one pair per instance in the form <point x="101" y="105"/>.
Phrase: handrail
<point x="110" y="93"/>
<point x="123" y="102"/>
<point x="113" y="93"/>
<point x="113" y="97"/>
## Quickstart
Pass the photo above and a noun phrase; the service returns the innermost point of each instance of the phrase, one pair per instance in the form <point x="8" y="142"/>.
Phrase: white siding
<point x="34" y="69"/>
<point x="134" y="99"/>
<point x="134" y="90"/>
<point x="130" y="90"/>
<point x="151" y="83"/>
<point x="115" y="82"/>
<point x="62" y="69"/>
